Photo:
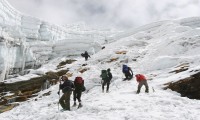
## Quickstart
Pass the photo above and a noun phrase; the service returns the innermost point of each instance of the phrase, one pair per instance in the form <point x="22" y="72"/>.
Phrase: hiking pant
<point x="77" y="94"/>
<point x="65" y="100"/>
<point x="141" y="83"/>
<point x="104" y="83"/>
<point x="86" y="58"/>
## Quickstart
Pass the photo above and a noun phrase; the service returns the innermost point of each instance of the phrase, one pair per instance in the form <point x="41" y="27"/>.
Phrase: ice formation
<point x="27" y="42"/>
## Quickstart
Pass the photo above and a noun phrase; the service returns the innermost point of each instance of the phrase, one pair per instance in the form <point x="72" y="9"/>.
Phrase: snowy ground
<point x="154" y="53"/>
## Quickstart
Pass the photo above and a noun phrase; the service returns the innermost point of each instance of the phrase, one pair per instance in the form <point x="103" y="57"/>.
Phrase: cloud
<point x="117" y="13"/>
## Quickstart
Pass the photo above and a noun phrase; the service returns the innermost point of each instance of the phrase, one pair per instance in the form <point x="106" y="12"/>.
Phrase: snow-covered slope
<point x="27" y="42"/>
<point x="155" y="53"/>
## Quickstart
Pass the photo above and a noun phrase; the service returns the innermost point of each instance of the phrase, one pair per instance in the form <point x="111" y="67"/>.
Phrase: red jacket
<point x="140" y="77"/>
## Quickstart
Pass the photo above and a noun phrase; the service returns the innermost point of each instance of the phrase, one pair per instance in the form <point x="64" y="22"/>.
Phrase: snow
<point x="154" y="50"/>
<point x="157" y="52"/>
<point x="120" y="103"/>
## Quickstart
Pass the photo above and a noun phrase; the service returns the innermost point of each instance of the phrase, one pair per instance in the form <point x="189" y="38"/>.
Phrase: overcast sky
<point x="110" y="13"/>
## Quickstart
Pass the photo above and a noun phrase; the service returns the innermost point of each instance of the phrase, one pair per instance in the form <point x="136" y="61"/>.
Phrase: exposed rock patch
<point x="181" y="68"/>
<point x="188" y="87"/>
<point x="112" y="60"/>
<point x="23" y="90"/>
<point x="7" y="107"/>
<point x="121" y="52"/>
<point x="70" y="61"/>
<point x="82" y="70"/>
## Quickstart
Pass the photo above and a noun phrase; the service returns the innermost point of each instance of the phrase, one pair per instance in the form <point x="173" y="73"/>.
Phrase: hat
<point x="64" y="77"/>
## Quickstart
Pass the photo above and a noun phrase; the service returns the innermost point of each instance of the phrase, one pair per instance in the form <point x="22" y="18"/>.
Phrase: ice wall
<point x="27" y="42"/>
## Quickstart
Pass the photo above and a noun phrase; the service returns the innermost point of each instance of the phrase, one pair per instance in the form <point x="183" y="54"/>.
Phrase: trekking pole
<point x="153" y="89"/>
<point x="59" y="93"/>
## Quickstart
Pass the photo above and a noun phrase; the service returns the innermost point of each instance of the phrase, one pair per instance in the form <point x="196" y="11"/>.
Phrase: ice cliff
<point x="27" y="42"/>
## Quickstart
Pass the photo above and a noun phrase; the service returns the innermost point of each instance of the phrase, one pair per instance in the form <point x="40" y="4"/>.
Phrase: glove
<point x="72" y="89"/>
<point x="58" y="92"/>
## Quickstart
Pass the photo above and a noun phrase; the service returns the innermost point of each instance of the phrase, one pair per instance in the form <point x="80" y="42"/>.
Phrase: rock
<point x="52" y="75"/>
<point x="181" y="68"/>
<point x="121" y="52"/>
<point x="70" y="61"/>
<point x="68" y="74"/>
<point x="21" y="98"/>
<point x="32" y="84"/>
<point x="2" y="88"/>
<point x="112" y="60"/>
<point x="188" y="87"/>
<point x="82" y="70"/>
<point x="3" y="101"/>
<point x="53" y="81"/>
<point x="62" y="72"/>
<point x="46" y="94"/>
<point x="5" y="108"/>
<point x="84" y="64"/>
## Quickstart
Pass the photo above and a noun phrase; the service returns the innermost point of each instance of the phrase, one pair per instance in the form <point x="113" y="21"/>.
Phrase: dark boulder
<point x="187" y="87"/>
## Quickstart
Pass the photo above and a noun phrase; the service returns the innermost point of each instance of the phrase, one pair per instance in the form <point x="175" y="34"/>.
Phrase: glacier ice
<point x="27" y="42"/>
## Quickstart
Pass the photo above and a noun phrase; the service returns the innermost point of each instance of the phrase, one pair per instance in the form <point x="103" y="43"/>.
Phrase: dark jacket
<point x="130" y="72"/>
<point x="86" y="54"/>
<point x="67" y="86"/>
<point x="109" y="76"/>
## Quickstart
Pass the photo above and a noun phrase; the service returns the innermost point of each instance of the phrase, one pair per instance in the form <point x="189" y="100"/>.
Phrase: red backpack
<point x="78" y="80"/>
<point x="140" y="77"/>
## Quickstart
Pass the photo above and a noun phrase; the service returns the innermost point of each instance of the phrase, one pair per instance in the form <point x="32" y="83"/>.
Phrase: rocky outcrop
<point x="32" y="84"/>
<point x="23" y="90"/>
<point x="180" y="68"/>
<point x="61" y="64"/>
<point x="7" y="107"/>
<point x="188" y="87"/>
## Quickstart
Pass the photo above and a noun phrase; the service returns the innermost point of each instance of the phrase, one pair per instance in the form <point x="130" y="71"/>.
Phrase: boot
<point x="80" y="105"/>
<point x="74" y="104"/>
<point x="147" y="91"/>
<point x="137" y="92"/>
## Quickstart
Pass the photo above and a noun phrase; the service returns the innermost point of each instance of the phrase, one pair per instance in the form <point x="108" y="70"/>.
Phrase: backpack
<point x="104" y="74"/>
<point x="82" y="54"/>
<point x="125" y="69"/>
<point x="78" y="80"/>
<point x="140" y="77"/>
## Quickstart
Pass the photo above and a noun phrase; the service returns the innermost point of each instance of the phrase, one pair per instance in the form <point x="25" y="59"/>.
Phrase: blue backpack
<point x="125" y="69"/>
